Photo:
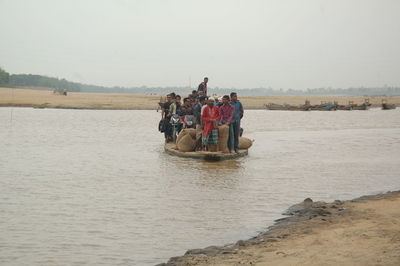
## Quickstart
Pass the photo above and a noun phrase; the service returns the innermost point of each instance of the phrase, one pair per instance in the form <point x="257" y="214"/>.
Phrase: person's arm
<point x="205" y="117"/>
<point x="217" y="113"/>
<point x="241" y="110"/>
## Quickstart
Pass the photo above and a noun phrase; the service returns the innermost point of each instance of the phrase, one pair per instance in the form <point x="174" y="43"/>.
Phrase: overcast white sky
<point x="236" y="43"/>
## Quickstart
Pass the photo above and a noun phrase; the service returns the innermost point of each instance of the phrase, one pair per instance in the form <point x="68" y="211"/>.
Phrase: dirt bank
<point x="42" y="98"/>
<point x="365" y="231"/>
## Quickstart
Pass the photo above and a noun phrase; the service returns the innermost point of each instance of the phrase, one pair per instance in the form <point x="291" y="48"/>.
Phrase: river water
<point x="91" y="187"/>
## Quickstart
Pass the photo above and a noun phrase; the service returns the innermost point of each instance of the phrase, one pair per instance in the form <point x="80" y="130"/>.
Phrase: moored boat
<point x="387" y="106"/>
<point x="286" y="107"/>
<point x="324" y="106"/>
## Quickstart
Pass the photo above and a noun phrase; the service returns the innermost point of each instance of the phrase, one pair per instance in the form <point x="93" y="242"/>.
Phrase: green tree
<point x="4" y="77"/>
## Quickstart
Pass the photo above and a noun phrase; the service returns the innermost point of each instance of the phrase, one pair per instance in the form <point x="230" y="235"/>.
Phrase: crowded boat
<point x="202" y="123"/>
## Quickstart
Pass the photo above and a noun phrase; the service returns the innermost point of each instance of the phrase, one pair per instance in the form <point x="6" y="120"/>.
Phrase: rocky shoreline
<point x="304" y="219"/>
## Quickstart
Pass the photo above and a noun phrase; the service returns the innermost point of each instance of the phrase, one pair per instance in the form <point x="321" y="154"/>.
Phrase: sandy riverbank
<point x="364" y="231"/>
<point x="42" y="98"/>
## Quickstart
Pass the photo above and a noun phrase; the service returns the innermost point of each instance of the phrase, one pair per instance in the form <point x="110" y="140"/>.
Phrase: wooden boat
<point x="347" y="107"/>
<point x="286" y="107"/>
<point x="324" y="106"/>
<point x="363" y="106"/>
<point x="387" y="106"/>
<point x="171" y="149"/>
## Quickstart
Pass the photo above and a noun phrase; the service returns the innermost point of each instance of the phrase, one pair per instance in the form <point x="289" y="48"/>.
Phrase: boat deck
<point x="170" y="148"/>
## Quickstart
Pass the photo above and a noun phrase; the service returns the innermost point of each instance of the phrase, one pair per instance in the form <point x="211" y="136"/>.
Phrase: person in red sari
<point x="211" y="116"/>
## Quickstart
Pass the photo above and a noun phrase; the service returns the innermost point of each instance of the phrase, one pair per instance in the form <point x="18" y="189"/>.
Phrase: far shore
<point x="45" y="98"/>
<point x="364" y="231"/>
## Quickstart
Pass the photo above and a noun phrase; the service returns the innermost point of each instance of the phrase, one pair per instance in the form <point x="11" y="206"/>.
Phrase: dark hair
<point x="205" y="78"/>
<point x="202" y="98"/>
<point x="186" y="99"/>
<point x="226" y="97"/>
<point x="194" y="91"/>
<point x="172" y="94"/>
<point x="233" y="94"/>
<point x="178" y="96"/>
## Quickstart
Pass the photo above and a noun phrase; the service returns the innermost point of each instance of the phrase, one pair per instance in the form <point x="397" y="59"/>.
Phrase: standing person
<point x="186" y="108"/>
<point x="175" y="107"/>
<point x="165" y="117"/>
<point x="202" y="89"/>
<point x="227" y="111"/>
<point x="194" y="96"/>
<point x="211" y="116"/>
<point x="197" y="107"/>
<point x="237" y="116"/>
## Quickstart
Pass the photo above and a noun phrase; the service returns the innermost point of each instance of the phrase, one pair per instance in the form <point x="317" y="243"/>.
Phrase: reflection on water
<point x="96" y="187"/>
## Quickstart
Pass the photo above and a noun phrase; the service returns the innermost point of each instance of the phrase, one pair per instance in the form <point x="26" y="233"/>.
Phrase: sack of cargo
<point x="191" y="132"/>
<point x="180" y="136"/>
<point x="245" y="143"/>
<point x="223" y="138"/>
<point x="186" y="131"/>
<point x="186" y="143"/>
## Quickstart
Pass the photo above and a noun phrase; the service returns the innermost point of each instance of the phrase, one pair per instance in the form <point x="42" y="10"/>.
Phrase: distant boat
<point x="363" y="106"/>
<point x="286" y="107"/>
<point x="324" y="106"/>
<point x="387" y="106"/>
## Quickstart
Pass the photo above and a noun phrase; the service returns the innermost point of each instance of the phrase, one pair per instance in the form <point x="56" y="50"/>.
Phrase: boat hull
<point x="387" y="106"/>
<point x="203" y="155"/>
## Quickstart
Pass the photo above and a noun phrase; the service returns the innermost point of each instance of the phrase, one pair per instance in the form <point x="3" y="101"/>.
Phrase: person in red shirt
<point x="211" y="116"/>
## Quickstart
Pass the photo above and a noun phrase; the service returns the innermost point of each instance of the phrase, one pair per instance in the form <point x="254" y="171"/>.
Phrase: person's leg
<point x="199" y="132"/>
<point x="213" y="140"/>
<point x="204" y="142"/>
<point x="236" y="129"/>
<point x="231" y="141"/>
<point x="168" y="131"/>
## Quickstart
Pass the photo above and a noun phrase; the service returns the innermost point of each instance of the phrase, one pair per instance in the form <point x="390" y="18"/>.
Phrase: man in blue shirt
<point x="237" y="116"/>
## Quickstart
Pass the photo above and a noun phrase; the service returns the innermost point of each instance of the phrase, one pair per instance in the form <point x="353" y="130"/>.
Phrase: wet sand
<point x="42" y="98"/>
<point x="365" y="231"/>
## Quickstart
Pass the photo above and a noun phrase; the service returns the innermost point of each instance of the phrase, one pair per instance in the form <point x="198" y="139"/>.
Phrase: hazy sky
<point x="236" y="43"/>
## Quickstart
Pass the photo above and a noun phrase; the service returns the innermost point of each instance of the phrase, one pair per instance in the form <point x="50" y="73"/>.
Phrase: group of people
<point x="209" y="113"/>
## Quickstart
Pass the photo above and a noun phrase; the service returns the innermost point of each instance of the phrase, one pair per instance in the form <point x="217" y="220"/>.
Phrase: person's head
<point x="210" y="102"/>
<point x="233" y="96"/>
<point x="178" y="98"/>
<point x="186" y="101"/>
<point x="195" y="93"/>
<point x="202" y="100"/>
<point x="173" y="95"/>
<point x="169" y="98"/>
<point x="225" y="99"/>
<point x="205" y="80"/>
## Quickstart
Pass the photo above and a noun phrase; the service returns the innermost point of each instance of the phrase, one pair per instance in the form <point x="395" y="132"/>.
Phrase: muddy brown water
<point x="96" y="188"/>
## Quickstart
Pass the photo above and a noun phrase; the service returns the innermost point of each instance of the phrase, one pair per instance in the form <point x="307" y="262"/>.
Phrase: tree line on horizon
<point x="30" y="80"/>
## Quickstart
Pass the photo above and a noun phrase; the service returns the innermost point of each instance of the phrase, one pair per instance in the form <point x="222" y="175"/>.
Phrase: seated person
<point x="211" y="116"/>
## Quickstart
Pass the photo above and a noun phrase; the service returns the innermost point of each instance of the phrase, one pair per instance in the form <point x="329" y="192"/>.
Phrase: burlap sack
<point x="191" y="132"/>
<point x="223" y="138"/>
<point x="180" y="136"/>
<point x="245" y="143"/>
<point x="186" y="143"/>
